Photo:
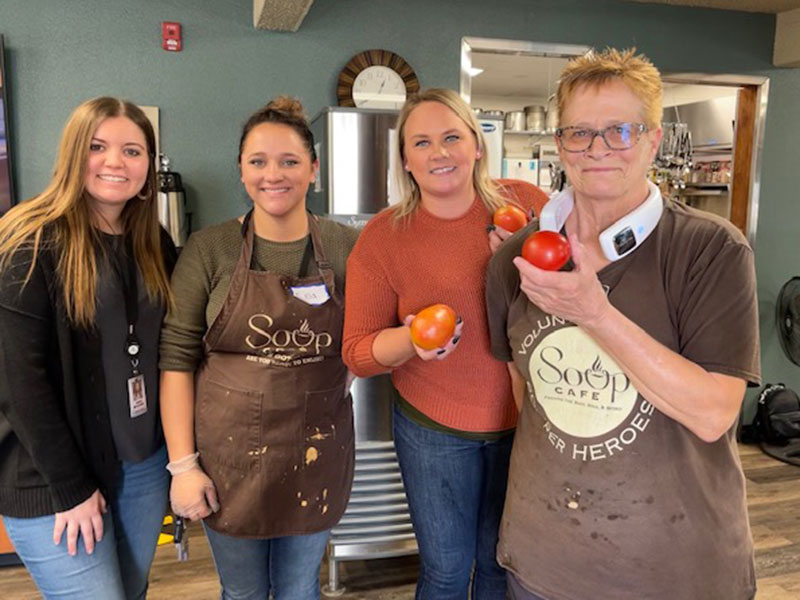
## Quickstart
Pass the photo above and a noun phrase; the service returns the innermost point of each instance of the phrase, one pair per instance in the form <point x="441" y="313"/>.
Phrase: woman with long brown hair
<point x="256" y="407"/>
<point x="84" y="270"/>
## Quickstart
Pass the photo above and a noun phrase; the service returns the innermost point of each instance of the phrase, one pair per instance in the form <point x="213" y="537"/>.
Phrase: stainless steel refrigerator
<point x="492" y="127"/>
<point x="354" y="147"/>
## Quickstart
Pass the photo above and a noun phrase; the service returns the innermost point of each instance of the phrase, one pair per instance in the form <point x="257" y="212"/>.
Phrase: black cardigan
<point x="56" y="445"/>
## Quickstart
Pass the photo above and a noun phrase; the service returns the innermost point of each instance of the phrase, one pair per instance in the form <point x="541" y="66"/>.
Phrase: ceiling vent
<point x="280" y="15"/>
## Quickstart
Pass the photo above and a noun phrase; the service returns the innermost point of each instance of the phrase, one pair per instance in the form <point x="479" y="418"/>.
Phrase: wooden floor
<point x="773" y="497"/>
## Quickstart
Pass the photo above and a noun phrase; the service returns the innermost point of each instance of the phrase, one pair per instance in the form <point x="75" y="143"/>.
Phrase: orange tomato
<point x="548" y="250"/>
<point x="433" y="326"/>
<point x="510" y="217"/>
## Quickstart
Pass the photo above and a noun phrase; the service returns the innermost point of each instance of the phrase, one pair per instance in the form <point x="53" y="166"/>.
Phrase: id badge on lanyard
<point x="137" y="392"/>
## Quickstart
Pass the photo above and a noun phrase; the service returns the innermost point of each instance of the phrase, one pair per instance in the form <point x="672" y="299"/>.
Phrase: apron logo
<point x="302" y="339"/>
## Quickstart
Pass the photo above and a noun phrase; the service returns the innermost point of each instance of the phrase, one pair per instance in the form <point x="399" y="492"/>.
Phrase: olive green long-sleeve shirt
<point x="202" y="278"/>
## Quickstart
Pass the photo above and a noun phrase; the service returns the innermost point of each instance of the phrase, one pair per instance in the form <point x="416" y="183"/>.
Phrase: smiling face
<point x="600" y="173"/>
<point x="439" y="151"/>
<point x="117" y="166"/>
<point x="276" y="169"/>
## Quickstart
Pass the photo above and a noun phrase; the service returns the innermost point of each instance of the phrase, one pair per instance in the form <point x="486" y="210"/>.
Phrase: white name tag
<point x="137" y="396"/>
<point x="314" y="294"/>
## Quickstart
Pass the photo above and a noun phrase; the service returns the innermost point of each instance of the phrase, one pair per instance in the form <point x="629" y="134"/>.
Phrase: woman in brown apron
<point x="256" y="408"/>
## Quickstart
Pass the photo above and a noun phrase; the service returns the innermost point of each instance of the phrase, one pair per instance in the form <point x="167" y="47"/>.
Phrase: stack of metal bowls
<point x="515" y="120"/>
<point x="551" y="120"/>
<point x="535" y="117"/>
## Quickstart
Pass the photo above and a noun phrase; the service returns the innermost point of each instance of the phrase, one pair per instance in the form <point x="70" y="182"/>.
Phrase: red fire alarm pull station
<point x="171" y="36"/>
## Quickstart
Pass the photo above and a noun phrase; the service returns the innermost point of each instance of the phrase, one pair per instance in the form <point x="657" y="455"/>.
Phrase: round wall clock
<point x="376" y="79"/>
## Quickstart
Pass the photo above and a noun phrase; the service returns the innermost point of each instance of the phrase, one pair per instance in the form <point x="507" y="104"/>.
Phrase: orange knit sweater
<point x="396" y="269"/>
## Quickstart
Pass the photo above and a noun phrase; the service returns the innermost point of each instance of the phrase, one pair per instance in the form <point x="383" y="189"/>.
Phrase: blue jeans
<point x="120" y="564"/>
<point x="456" y="489"/>
<point x="250" y="568"/>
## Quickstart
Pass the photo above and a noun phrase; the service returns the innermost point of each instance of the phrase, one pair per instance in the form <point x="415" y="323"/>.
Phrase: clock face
<point x="376" y="79"/>
<point x="378" y="86"/>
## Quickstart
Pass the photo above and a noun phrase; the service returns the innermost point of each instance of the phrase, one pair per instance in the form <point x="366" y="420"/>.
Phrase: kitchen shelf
<point x="515" y="132"/>
<point x="708" y="186"/>
<point x="713" y="148"/>
<point x="720" y="190"/>
<point x="717" y="192"/>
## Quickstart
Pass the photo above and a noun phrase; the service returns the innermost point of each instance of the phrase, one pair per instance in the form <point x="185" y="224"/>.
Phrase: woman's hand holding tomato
<point x="433" y="326"/>
<point x="510" y="217"/>
<point x="548" y="250"/>
<point x="506" y="220"/>
<point x="434" y="331"/>
<point x="576" y="295"/>
<point x="497" y="236"/>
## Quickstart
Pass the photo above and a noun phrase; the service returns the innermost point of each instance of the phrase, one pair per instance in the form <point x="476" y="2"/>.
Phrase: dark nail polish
<point x="455" y="339"/>
<point x="440" y="352"/>
<point x="490" y="228"/>
<point x="459" y="320"/>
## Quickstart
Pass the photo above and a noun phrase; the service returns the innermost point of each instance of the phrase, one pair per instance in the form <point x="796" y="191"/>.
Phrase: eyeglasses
<point x="621" y="136"/>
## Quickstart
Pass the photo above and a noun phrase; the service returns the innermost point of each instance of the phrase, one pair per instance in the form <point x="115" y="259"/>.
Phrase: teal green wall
<point x="62" y="52"/>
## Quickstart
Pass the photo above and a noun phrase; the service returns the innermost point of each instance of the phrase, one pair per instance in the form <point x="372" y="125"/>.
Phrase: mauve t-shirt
<point x="609" y="499"/>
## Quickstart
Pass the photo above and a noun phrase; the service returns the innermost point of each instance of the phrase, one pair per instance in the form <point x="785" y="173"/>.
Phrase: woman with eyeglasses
<point x="625" y="481"/>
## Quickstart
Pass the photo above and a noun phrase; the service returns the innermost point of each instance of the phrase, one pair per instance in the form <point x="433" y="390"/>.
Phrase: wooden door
<point x="743" y="148"/>
<point x="6" y="546"/>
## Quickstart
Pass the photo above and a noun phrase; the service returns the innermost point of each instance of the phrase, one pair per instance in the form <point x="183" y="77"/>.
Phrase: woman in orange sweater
<point x="454" y="415"/>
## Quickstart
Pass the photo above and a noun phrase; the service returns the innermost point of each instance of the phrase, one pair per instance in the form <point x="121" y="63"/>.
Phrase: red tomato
<point x="510" y="217"/>
<point x="548" y="250"/>
<point x="433" y="326"/>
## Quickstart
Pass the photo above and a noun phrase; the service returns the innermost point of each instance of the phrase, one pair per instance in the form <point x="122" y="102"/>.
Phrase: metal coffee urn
<point x="171" y="202"/>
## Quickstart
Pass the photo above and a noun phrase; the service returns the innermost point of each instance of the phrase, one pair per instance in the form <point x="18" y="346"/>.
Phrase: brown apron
<point x="273" y="420"/>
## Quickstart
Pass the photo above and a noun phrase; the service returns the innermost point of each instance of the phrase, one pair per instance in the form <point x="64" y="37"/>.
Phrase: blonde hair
<point x="64" y="208"/>
<point x="598" y="68"/>
<point x="487" y="188"/>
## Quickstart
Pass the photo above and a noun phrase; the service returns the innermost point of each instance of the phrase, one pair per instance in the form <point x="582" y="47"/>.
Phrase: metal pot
<point x="515" y="120"/>
<point x="551" y="120"/>
<point x="534" y="117"/>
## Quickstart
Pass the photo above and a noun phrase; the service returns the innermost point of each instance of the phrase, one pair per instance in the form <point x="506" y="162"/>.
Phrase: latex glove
<point x="85" y="519"/>
<point x="437" y="353"/>
<point x="192" y="494"/>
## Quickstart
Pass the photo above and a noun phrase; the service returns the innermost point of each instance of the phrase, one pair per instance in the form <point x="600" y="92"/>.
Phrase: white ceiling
<point x="516" y="78"/>
<point x="761" y="6"/>
<point x="514" y="75"/>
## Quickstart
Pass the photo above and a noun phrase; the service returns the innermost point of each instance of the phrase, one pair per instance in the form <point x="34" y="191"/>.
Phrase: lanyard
<point x="130" y="293"/>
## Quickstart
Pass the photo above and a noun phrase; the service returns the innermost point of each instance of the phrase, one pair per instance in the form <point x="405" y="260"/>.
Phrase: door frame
<point x="751" y="115"/>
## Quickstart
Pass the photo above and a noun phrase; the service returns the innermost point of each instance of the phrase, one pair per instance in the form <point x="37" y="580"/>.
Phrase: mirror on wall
<point x="713" y="125"/>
